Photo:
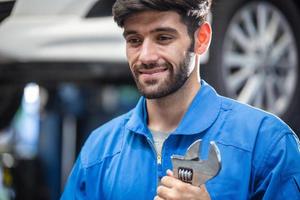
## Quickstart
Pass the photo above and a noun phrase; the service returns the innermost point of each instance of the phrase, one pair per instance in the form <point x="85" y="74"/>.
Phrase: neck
<point x="164" y="114"/>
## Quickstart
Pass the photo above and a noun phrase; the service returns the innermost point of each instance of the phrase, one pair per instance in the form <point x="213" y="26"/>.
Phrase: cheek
<point x="132" y="55"/>
<point x="180" y="57"/>
<point x="172" y="54"/>
<point x="178" y="53"/>
<point x="129" y="55"/>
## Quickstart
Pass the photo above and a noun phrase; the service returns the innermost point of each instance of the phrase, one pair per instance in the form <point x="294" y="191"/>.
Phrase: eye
<point x="133" y="41"/>
<point x="164" y="39"/>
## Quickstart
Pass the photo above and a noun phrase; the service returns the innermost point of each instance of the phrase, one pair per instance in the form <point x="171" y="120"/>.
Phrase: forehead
<point x="149" y="20"/>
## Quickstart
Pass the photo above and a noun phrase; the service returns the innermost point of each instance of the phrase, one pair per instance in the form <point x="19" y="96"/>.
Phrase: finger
<point x="172" y="182"/>
<point x="197" y="189"/>
<point x="169" y="181"/>
<point x="170" y="173"/>
<point x="162" y="192"/>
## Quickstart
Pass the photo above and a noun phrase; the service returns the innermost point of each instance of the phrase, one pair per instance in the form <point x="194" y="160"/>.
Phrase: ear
<point x="202" y="38"/>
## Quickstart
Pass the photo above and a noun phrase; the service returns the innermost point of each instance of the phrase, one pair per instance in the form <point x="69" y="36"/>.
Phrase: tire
<point x="250" y="65"/>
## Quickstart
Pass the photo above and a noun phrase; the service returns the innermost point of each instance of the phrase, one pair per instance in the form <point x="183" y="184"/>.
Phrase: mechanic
<point x="129" y="157"/>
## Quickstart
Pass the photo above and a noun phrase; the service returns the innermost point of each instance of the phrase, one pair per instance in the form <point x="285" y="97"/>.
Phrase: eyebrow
<point x="162" y="29"/>
<point x="126" y="33"/>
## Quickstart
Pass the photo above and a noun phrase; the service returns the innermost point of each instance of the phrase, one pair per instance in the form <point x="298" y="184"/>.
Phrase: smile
<point x="152" y="71"/>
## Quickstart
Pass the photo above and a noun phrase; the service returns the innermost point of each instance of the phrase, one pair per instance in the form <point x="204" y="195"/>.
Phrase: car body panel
<point x="60" y="31"/>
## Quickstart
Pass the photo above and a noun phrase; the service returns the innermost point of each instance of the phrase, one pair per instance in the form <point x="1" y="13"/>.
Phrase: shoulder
<point x="105" y="141"/>
<point x="247" y="115"/>
<point x="262" y="133"/>
<point x="244" y="125"/>
<point x="242" y="110"/>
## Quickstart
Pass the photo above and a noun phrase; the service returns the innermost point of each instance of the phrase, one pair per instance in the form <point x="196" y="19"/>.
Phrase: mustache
<point x="152" y="65"/>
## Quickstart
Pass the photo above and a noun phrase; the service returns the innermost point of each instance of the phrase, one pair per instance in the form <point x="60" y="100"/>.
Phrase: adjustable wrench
<point x="191" y="169"/>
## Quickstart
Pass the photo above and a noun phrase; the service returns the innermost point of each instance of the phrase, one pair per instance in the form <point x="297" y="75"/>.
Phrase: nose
<point x="148" y="52"/>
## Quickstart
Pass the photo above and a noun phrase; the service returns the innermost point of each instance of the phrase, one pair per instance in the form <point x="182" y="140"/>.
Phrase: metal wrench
<point x="191" y="169"/>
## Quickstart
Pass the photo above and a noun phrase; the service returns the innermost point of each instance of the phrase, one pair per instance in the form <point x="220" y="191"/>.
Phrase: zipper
<point x="158" y="160"/>
<point x="158" y="157"/>
<point x="152" y="147"/>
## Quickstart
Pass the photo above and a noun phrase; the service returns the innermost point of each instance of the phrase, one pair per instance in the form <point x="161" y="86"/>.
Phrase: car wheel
<point x="255" y="54"/>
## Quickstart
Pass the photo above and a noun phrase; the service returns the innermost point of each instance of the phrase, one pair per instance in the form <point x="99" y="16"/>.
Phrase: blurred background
<point x="63" y="72"/>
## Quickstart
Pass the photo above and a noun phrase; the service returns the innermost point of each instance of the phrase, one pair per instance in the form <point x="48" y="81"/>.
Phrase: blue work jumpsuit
<point x="260" y="153"/>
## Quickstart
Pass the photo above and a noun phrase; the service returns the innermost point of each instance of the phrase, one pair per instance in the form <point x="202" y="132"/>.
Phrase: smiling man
<point x="130" y="156"/>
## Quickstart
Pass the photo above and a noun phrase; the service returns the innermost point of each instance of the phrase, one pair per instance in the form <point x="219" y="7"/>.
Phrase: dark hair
<point x="192" y="12"/>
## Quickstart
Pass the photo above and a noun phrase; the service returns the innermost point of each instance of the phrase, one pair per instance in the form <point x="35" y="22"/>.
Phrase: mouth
<point x="152" y="74"/>
<point x="153" y="71"/>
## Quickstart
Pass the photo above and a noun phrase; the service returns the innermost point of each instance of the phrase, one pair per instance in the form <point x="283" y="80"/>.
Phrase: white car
<point x="254" y="56"/>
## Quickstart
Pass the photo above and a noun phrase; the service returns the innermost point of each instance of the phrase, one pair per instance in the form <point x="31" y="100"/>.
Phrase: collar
<point x="200" y="115"/>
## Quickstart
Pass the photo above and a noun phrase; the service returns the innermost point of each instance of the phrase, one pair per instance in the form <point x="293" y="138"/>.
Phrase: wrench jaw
<point x="192" y="152"/>
<point x="214" y="159"/>
<point x="191" y="169"/>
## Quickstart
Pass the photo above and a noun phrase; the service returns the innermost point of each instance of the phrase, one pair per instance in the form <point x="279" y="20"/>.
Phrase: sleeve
<point x="75" y="187"/>
<point x="278" y="174"/>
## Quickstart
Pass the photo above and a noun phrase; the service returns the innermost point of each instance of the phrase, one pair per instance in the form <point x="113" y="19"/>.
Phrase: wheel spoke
<point x="279" y="84"/>
<point x="240" y="37"/>
<point x="241" y="60"/>
<point x="249" y="25"/>
<point x="249" y="91"/>
<point x="258" y="101"/>
<point x="272" y="29"/>
<point x="270" y="95"/>
<point x="261" y="19"/>
<point x="279" y="49"/>
<point x="236" y="80"/>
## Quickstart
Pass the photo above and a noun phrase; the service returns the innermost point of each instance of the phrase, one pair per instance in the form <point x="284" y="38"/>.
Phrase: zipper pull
<point x="158" y="159"/>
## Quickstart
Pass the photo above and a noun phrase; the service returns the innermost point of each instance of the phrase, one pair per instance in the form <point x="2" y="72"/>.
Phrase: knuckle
<point x="178" y="186"/>
<point x="164" y="179"/>
<point x="185" y="187"/>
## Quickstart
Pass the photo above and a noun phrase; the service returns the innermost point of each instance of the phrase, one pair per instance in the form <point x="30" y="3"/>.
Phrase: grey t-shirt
<point x="159" y="139"/>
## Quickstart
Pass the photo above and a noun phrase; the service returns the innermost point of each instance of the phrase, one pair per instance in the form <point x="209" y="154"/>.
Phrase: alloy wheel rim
<point x="260" y="59"/>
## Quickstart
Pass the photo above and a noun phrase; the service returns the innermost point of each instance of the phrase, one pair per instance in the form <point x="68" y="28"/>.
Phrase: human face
<point x="157" y="46"/>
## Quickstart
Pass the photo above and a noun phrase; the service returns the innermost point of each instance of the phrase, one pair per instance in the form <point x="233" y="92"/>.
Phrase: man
<point x="129" y="157"/>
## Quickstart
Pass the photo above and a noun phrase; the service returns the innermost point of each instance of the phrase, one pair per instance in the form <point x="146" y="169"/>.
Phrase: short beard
<point x="171" y="85"/>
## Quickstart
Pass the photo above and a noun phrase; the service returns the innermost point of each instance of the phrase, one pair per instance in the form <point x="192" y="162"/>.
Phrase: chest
<point x="136" y="171"/>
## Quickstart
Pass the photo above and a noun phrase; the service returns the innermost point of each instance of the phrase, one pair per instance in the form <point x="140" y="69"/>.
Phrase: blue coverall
<point x="260" y="153"/>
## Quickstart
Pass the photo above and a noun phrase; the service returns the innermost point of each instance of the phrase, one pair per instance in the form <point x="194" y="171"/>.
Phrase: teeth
<point x="152" y="71"/>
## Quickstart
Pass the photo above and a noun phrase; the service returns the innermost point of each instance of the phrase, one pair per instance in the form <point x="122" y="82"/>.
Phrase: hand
<point x="173" y="189"/>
